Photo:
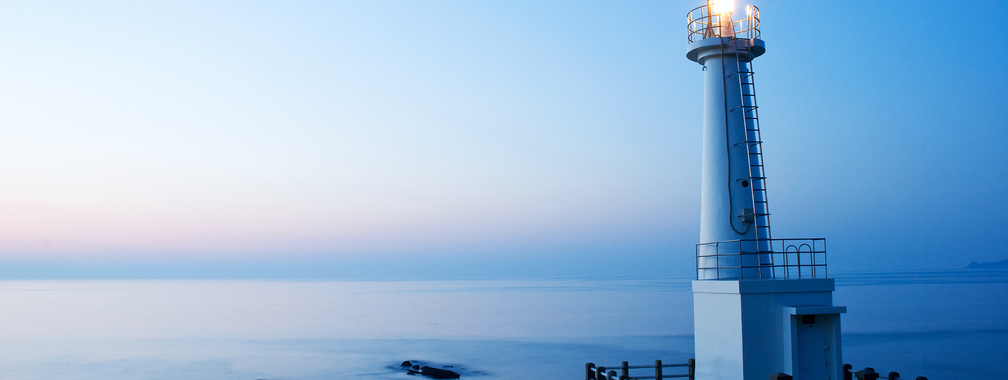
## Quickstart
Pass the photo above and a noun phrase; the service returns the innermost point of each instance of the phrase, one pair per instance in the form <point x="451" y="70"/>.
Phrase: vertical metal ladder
<point x="753" y="142"/>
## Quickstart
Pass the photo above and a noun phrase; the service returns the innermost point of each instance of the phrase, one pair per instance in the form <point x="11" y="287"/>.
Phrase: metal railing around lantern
<point x="701" y="23"/>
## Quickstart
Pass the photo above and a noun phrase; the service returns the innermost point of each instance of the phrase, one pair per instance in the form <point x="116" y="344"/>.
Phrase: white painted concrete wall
<point x="746" y="329"/>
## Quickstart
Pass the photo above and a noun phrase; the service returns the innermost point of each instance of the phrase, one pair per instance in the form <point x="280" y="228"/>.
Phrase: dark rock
<point x="437" y="373"/>
<point x="866" y="374"/>
<point x="416" y="367"/>
<point x="407" y="364"/>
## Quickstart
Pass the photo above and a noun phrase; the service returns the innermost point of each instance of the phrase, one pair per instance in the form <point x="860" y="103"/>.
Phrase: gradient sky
<point x="468" y="139"/>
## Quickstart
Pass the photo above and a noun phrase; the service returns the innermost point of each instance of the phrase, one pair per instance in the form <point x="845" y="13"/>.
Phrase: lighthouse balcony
<point x="762" y="259"/>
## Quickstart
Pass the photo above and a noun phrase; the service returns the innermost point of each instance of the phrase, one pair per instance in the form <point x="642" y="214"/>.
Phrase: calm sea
<point x="943" y="325"/>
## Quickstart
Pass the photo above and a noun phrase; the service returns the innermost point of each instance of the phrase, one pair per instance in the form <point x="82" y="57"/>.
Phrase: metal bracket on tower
<point x="747" y="215"/>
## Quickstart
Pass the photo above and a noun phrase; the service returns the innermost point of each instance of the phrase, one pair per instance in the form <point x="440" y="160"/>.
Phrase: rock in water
<point x="438" y="373"/>
<point x="407" y="364"/>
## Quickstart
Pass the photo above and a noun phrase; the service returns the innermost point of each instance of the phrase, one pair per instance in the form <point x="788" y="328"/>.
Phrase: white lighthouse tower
<point x="762" y="306"/>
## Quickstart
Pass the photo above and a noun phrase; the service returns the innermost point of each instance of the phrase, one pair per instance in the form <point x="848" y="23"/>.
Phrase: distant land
<point x="1003" y="264"/>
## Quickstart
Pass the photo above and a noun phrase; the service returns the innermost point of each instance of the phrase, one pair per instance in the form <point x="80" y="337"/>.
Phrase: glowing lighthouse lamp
<point x="762" y="306"/>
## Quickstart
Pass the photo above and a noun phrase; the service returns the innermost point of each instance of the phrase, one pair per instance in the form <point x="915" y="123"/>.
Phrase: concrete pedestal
<point x="750" y="329"/>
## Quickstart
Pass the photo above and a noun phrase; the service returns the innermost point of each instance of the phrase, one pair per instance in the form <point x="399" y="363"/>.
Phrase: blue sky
<point x="480" y="139"/>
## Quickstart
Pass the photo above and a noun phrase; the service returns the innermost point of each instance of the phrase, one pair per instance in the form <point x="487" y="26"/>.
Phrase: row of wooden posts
<point x="593" y="372"/>
<point x="870" y="374"/>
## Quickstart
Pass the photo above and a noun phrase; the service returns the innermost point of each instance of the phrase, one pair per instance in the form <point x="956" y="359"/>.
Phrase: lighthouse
<point x="762" y="305"/>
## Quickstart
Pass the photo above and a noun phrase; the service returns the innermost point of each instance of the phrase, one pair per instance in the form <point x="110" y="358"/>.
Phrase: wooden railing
<point x="869" y="374"/>
<point x="593" y="372"/>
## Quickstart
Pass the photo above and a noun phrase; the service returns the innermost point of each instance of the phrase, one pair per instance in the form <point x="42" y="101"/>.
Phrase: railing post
<point x="692" y="368"/>
<point x="612" y="375"/>
<point x="600" y="373"/>
<point x="847" y="372"/>
<point x="589" y="366"/>
<point x="798" y="257"/>
<point x="717" y="260"/>
<point x="893" y="376"/>
<point x="626" y="370"/>
<point x="657" y="370"/>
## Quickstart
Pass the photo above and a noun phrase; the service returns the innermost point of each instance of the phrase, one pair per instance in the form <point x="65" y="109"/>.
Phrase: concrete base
<point x="750" y="329"/>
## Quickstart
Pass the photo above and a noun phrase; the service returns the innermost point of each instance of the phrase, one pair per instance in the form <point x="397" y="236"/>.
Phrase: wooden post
<point x="893" y="376"/>
<point x="600" y="373"/>
<point x="612" y="375"/>
<point x="847" y="375"/>
<point x="589" y="375"/>
<point x="657" y="370"/>
<point x="692" y="368"/>
<point x="626" y="370"/>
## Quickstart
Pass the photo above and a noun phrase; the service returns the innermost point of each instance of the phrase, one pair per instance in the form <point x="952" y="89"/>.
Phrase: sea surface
<point x="943" y="325"/>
